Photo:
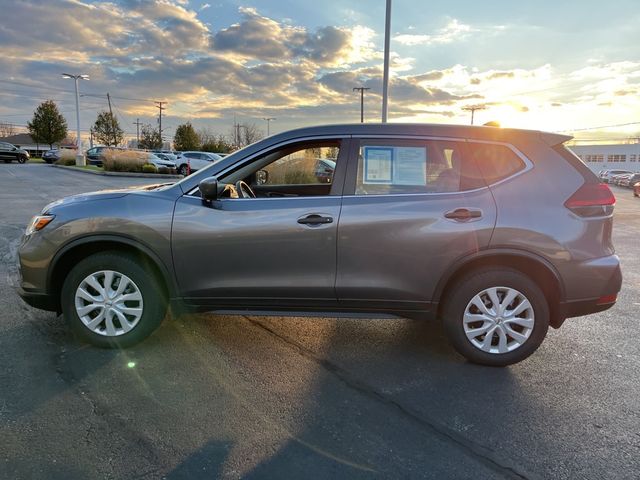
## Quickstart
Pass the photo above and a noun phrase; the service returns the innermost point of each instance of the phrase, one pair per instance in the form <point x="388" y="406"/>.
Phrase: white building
<point x="610" y="157"/>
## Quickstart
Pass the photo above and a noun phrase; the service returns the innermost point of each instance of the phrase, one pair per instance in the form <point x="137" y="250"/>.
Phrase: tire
<point x="527" y="335"/>
<point x="139" y="282"/>
<point x="182" y="170"/>
<point x="22" y="159"/>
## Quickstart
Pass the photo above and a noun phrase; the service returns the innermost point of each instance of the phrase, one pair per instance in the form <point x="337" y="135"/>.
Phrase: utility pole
<point x="268" y="120"/>
<point x="385" y="77"/>
<point x="361" y="90"/>
<point x="137" y="123"/>
<point x="111" y="122"/>
<point x="90" y="137"/>
<point x="160" y="107"/>
<point x="80" y="160"/>
<point x="473" y="108"/>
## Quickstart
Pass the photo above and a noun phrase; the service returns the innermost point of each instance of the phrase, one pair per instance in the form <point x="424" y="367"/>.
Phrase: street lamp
<point x="79" y="154"/>
<point x="385" y="73"/>
<point x="268" y="120"/>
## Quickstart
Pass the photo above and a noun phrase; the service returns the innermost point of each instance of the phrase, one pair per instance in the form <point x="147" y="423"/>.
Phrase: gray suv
<point x="497" y="232"/>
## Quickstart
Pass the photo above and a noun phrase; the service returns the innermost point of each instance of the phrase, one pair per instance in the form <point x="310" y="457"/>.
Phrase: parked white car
<point x="197" y="160"/>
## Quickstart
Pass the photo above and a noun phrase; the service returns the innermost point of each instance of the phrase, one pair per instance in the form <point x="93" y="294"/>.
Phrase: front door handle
<point x="315" y="219"/>
<point x="463" y="214"/>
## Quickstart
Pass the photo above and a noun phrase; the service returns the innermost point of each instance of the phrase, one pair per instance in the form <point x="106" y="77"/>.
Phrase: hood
<point x="100" y="195"/>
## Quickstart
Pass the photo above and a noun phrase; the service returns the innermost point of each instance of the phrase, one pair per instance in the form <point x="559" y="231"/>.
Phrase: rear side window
<point x="496" y="162"/>
<point x="414" y="166"/>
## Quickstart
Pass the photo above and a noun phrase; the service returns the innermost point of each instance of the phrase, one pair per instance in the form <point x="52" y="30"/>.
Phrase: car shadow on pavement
<point x="333" y="398"/>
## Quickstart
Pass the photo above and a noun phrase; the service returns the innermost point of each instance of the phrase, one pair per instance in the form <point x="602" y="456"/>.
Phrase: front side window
<point x="304" y="165"/>
<point x="420" y="166"/>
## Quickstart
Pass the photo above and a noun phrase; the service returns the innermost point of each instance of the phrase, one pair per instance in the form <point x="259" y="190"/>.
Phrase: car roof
<point x="426" y="129"/>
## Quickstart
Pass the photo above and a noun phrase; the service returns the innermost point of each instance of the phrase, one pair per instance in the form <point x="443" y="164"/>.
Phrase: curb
<point x="118" y="174"/>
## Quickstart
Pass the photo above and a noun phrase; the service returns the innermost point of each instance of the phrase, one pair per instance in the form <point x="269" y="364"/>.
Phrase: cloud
<point x="205" y="6"/>
<point x="495" y="75"/>
<point x="451" y="32"/>
<point x="145" y="50"/>
<point x="257" y="37"/>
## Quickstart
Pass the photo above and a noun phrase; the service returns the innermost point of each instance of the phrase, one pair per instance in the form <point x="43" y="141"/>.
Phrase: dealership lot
<point x="245" y="396"/>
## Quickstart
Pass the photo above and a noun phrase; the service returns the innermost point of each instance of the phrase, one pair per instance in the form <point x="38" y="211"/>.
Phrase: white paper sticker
<point x="378" y="165"/>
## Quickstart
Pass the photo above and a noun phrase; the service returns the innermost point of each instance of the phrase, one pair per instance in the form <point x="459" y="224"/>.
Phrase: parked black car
<point x="9" y="153"/>
<point x="95" y="155"/>
<point x="51" y="156"/>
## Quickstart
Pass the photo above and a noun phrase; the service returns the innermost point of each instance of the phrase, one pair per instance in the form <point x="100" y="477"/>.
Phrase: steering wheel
<point x="244" y="190"/>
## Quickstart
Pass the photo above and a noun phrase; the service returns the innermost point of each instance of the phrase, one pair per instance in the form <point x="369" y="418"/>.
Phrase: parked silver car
<point x="498" y="232"/>
<point x="194" y="161"/>
<point x="158" y="162"/>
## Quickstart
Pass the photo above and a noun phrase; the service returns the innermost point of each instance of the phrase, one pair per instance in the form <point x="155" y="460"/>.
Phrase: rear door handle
<point x="315" y="219"/>
<point x="463" y="214"/>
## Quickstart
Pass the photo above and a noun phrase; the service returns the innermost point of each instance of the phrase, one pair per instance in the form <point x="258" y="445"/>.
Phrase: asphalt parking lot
<point x="213" y="396"/>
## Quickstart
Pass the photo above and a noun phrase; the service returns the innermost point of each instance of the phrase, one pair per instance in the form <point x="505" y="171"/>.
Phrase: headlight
<point x="38" y="223"/>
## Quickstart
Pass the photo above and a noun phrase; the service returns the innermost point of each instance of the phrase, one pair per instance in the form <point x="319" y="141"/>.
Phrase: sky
<point x="559" y="66"/>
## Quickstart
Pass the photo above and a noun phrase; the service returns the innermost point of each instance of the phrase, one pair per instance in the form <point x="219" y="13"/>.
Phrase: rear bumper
<point x="601" y="281"/>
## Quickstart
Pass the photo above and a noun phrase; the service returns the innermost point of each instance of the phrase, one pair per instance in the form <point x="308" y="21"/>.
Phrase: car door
<point x="411" y="208"/>
<point x="266" y="251"/>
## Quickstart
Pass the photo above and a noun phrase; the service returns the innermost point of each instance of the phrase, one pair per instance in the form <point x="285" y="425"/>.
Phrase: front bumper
<point x="40" y="300"/>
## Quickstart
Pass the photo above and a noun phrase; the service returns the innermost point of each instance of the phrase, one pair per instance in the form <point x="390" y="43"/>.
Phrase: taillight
<point x="592" y="199"/>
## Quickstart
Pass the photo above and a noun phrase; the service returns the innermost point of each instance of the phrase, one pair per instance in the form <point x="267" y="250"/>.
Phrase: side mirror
<point x="209" y="189"/>
<point x="262" y="177"/>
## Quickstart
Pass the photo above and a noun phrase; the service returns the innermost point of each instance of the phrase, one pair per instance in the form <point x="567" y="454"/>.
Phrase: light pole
<point x="268" y="120"/>
<point x="79" y="155"/>
<point x="385" y="77"/>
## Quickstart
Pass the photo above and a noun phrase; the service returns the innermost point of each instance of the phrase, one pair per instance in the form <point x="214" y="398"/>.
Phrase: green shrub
<point x="149" y="168"/>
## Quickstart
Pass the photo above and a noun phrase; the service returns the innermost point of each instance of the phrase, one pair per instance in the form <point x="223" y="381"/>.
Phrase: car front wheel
<point x="496" y="317"/>
<point x="182" y="170"/>
<point x="110" y="300"/>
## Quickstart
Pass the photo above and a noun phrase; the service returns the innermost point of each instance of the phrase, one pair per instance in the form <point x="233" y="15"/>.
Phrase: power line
<point x="600" y="127"/>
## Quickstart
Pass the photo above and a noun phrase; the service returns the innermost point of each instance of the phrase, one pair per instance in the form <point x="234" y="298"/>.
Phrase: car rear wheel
<point x="496" y="317"/>
<point x="110" y="300"/>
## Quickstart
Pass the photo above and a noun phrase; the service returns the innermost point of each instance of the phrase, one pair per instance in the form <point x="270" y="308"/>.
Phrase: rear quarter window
<point x="496" y="162"/>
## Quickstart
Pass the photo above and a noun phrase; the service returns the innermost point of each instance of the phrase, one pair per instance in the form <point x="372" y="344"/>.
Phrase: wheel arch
<point x="80" y="248"/>
<point x="540" y="270"/>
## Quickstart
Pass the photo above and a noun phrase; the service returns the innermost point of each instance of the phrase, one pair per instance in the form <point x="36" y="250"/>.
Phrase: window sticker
<point x="378" y="165"/>
<point x="395" y="165"/>
<point x="410" y="166"/>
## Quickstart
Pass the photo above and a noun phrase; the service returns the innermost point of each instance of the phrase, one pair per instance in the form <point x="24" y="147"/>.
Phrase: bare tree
<point x="7" y="129"/>
<point x="244" y="134"/>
